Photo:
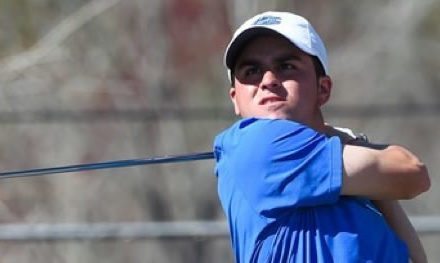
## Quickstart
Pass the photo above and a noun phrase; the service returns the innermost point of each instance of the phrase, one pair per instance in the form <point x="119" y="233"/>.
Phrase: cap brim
<point x="239" y="42"/>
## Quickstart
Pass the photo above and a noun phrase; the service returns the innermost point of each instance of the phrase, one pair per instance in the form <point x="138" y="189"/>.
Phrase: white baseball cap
<point x="293" y="27"/>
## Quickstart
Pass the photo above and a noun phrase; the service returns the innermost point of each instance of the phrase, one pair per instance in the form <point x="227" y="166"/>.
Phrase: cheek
<point x="243" y="99"/>
<point x="244" y="94"/>
<point x="303" y="94"/>
<point x="242" y="103"/>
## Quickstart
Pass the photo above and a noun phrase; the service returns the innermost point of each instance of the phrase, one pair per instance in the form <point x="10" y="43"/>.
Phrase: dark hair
<point x="319" y="69"/>
<point x="232" y="78"/>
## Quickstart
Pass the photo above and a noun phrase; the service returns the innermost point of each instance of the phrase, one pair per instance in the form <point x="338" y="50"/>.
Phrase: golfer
<point x="293" y="188"/>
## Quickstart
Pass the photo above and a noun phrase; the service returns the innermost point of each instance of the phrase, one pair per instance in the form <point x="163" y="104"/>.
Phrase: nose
<point x="269" y="80"/>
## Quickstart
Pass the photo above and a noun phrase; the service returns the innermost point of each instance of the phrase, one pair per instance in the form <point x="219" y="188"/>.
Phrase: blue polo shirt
<point x="279" y="184"/>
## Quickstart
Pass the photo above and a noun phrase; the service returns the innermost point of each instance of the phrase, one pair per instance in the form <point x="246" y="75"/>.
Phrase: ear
<point x="232" y="95"/>
<point x="324" y="89"/>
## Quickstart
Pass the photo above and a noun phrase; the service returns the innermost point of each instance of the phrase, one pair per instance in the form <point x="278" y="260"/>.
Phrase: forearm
<point x="391" y="173"/>
<point x="399" y="222"/>
<point x="379" y="172"/>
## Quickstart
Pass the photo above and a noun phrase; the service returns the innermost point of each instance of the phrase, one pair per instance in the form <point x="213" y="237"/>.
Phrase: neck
<point x="318" y="124"/>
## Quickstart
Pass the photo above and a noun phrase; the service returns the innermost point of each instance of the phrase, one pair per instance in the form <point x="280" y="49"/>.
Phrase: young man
<point x="293" y="188"/>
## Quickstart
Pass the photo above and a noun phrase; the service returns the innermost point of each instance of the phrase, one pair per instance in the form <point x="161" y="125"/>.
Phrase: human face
<point x="274" y="79"/>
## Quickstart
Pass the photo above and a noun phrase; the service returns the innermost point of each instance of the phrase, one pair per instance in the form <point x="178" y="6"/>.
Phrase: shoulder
<point x="263" y="130"/>
<point x="266" y="136"/>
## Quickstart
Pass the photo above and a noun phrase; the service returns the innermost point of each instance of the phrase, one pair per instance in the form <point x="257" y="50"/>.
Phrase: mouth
<point x="271" y="99"/>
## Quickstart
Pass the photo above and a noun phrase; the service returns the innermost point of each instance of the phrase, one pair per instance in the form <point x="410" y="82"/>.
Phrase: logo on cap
<point x="267" y="20"/>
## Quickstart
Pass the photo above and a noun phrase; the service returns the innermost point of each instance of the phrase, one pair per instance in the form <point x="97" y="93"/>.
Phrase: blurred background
<point x="93" y="80"/>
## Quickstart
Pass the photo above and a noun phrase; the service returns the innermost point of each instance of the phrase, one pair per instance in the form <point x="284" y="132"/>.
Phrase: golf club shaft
<point x="108" y="165"/>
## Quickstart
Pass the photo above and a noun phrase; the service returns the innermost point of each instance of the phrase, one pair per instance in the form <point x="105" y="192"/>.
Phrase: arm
<point x="389" y="173"/>
<point x="399" y="222"/>
<point x="380" y="171"/>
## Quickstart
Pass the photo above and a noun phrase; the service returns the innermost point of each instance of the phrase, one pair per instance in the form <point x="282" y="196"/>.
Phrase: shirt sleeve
<point x="279" y="164"/>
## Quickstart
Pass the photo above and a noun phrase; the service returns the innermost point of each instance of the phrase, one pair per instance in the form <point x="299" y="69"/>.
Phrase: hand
<point x="349" y="138"/>
<point x="346" y="135"/>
